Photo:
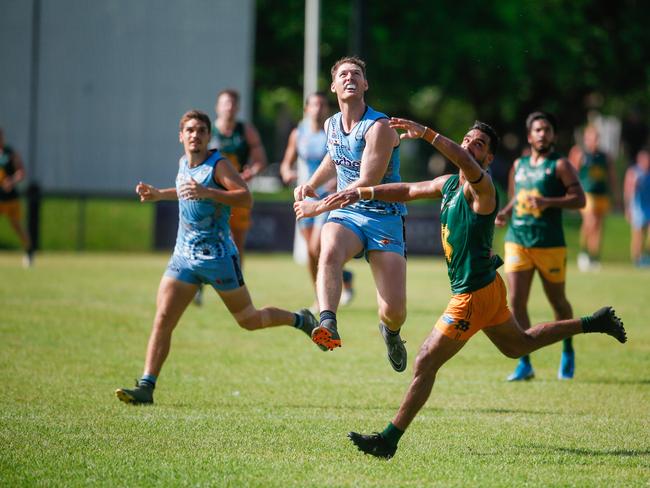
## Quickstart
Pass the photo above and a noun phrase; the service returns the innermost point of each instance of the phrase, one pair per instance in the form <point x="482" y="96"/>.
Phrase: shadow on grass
<point x="604" y="452"/>
<point x="613" y="381"/>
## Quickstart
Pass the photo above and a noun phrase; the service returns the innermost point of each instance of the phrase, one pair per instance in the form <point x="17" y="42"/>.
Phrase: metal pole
<point x="312" y="39"/>
<point x="32" y="158"/>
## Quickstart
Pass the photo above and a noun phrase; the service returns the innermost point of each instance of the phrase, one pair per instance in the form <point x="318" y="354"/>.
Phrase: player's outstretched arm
<point x="389" y="192"/>
<point x="149" y="193"/>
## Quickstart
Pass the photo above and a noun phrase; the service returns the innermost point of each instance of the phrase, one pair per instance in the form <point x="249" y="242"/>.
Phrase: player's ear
<point x="180" y="137"/>
<point x="332" y="88"/>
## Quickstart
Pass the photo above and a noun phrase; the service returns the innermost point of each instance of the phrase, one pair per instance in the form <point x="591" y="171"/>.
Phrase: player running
<point x="469" y="206"/>
<point x="207" y="186"/>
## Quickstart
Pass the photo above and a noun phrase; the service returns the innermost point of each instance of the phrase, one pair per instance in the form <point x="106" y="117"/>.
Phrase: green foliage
<point x="268" y="409"/>
<point x="503" y="58"/>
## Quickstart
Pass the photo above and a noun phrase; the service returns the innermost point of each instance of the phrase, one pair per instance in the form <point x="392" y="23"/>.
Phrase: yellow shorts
<point x="596" y="204"/>
<point x="240" y="218"/>
<point x="11" y="208"/>
<point x="549" y="261"/>
<point x="467" y="313"/>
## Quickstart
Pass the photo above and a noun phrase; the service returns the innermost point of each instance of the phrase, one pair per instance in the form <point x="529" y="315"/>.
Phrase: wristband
<point x="430" y="135"/>
<point x="366" y="192"/>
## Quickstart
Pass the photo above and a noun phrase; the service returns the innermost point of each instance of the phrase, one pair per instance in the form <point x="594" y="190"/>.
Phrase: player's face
<point x="541" y="136"/>
<point x="195" y="136"/>
<point x="643" y="160"/>
<point x="227" y="106"/>
<point x="477" y="144"/>
<point x="316" y="108"/>
<point x="349" y="82"/>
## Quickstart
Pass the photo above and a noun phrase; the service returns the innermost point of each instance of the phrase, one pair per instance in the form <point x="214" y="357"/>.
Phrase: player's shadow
<point x="614" y="381"/>
<point x="603" y="452"/>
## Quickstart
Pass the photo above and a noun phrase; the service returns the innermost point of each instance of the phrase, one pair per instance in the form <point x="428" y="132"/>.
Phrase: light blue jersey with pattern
<point x="203" y="228"/>
<point x="346" y="151"/>
<point x="311" y="146"/>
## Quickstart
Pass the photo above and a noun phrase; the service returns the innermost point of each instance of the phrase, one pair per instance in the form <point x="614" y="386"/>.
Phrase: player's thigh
<point x="389" y="273"/>
<point x="436" y="350"/>
<point x="339" y="242"/>
<point x="236" y="300"/>
<point x="174" y="296"/>
<point x="507" y="336"/>
<point x="519" y="283"/>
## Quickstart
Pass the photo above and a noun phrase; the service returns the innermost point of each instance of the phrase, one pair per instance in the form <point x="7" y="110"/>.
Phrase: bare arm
<point x="287" y="166"/>
<point x="506" y="212"/>
<point x="629" y="187"/>
<point x="149" y="193"/>
<point x="10" y="182"/>
<point x="381" y="139"/>
<point x="389" y="192"/>
<point x="235" y="192"/>
<point x="257" y="156"/>
<point x="480" y="187"/>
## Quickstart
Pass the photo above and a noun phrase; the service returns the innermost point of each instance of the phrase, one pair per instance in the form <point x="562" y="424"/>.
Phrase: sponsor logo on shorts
<point x="554" y="270"/>
<point x="385" y="242"/>
<point x="462" y="325"/>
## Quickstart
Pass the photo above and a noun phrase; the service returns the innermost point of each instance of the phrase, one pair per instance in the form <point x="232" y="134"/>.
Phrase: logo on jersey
<point x="444" y="235"/>
<point x="524" y="206"/>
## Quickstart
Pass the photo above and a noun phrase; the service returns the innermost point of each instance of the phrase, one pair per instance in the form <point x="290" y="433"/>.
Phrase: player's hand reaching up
<point x="147" y="192"/>
<point x="412" y="130"/>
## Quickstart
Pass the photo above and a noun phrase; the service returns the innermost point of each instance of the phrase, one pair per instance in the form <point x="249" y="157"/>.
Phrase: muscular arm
<point x="389" y="192"/>
<point x="257" y="157"/>
<point x="381" y="139"/>
<point x="287" y="171"/>
<point x="506" y="211"/>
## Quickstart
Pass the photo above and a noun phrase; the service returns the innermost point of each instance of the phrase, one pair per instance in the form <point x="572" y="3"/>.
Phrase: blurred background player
<point x="541" y="185"/>
<point x="363" y="150"/>
<point x="207" y="185"/>
<point x="598" y="178"/>
<point x="637" y="207"/>
<point x="240" y="142"/>
<point x="307" y="146"/>
<point x="12" y="172"/>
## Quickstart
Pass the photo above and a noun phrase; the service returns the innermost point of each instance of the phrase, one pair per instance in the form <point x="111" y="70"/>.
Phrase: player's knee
<point x="393" y="317"/>
<point x="249" y="318"/>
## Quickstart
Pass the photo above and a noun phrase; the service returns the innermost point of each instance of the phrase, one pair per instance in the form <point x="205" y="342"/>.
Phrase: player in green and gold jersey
<point x="469" y="206"/>
<point x="541" y="185"/>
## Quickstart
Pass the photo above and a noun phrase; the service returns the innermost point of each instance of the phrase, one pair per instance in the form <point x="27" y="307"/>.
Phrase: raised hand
<point x="412" y="130"/>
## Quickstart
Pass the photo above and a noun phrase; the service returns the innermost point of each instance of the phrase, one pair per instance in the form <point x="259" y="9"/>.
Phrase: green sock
<point x="567" y="345"/>
<point x="392" y="434"/>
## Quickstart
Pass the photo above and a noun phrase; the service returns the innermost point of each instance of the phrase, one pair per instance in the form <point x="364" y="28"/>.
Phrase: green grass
<point x="235" y="408"/>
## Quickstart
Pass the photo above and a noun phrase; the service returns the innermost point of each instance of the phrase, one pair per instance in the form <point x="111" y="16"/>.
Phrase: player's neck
<point x="352" y="111"/>
<point x="195" y="159"/>
<point x="536" y="157"/>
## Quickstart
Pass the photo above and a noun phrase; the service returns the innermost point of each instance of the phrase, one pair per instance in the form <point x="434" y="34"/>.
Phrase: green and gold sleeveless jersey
<point x="466" y="240"/>
<point x="594" y="173"/>
<point x="530" y="227"/>
<point x="234" y="147"/>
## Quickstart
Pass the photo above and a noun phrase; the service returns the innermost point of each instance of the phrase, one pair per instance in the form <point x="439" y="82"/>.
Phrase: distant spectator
<point x="637" y="207"/>
<point x="12" y="172"/>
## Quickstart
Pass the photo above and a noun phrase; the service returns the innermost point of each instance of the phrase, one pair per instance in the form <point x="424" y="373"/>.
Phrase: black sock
<point x="388" y="331"/>
<point x="327" y="315"/>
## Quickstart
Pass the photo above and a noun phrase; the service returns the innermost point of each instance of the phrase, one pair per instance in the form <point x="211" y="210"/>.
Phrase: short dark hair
<point x="198" y="115"/>
<point x="488" y="131"/>
<point x="349" y="59"/>
<point x="234" y="94"/>
<point x="550" y="118"/>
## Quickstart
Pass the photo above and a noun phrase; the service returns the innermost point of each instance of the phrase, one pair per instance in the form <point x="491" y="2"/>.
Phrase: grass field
<point x="235" y="408"/>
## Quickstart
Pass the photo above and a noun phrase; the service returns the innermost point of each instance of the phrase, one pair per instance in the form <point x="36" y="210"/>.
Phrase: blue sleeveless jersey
<point x="346" y="151"/>
<point x="311" y="146"/>
<point x="203" y="228"/>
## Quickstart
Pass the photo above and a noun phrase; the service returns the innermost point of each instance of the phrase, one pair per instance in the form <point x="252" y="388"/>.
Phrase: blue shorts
<point x="223" y="274"/>
<point x="377" y="232"/>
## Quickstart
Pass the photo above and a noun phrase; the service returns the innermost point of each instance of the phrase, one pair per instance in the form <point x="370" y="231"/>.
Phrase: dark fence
<point x="274" y="223"/>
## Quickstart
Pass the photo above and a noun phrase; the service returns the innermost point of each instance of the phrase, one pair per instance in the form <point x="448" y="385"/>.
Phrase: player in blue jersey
<point x="207" y="185"/>
<point x="307" y="146"/>
<point x="637" y="207"/>
<point x="363" y="150"/>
